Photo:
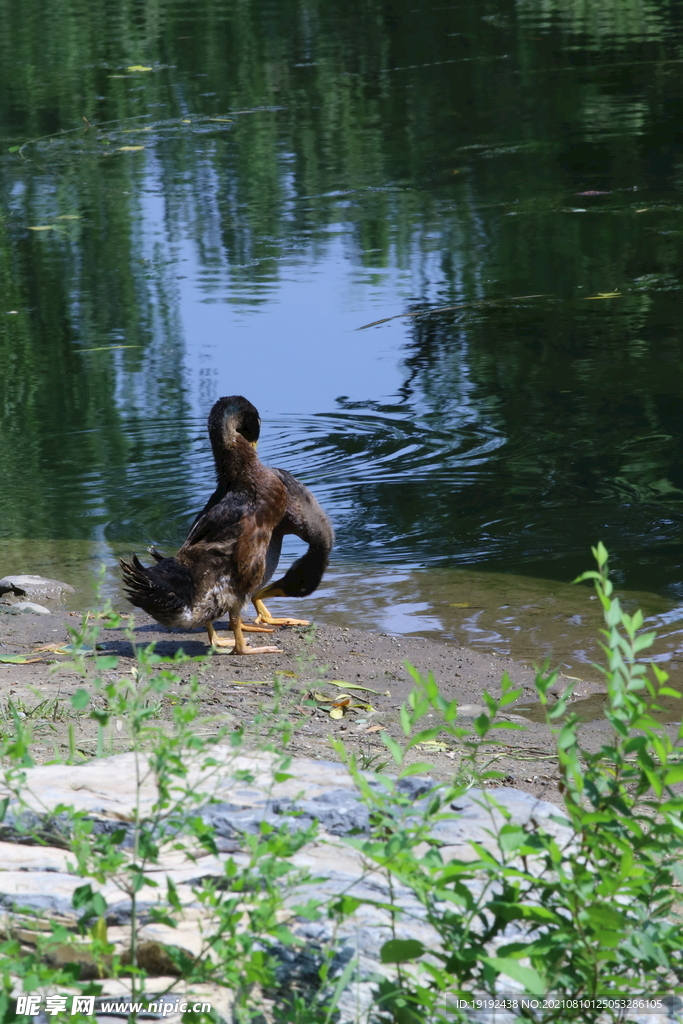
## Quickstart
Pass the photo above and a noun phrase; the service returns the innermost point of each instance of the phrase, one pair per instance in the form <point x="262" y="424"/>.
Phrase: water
<point x="214" y="198"/>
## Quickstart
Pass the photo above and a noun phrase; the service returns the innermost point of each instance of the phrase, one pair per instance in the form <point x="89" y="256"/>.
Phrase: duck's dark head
<point x="230" y="416"/>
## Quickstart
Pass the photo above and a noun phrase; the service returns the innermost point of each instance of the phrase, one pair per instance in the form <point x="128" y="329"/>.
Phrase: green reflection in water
<point x="530" y="148"/>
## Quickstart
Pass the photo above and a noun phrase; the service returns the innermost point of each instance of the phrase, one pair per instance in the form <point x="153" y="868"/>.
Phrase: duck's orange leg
<point x="241" y="646"/>
<point x="264" y="616"/>
<point x="217" y="641"/>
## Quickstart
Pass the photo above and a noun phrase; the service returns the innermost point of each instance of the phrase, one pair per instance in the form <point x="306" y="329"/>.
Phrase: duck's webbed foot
<point x="248" y="628"/>
<point x="241" y="646"/>
<point x="215" y="640"/>
<point x="264" y="616"/>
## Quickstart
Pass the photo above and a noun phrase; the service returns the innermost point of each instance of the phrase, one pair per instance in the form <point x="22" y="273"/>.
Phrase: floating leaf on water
<point x="644" y="210"/>
<point x="337" y="713"/>
<point x="225" y="120"/>
<point x="42" y="227"/>
<point x="130" y="149"/>
<point x="13" y="149"/>
<point x="68" y="216"/>
<point x="106" y="348"/>
<point x="592" y="192"/>
<point x="139" y="67"/>
<point x="349" y="686"/>
<point x="604" y="295"/>
<point x="186" y="120"/>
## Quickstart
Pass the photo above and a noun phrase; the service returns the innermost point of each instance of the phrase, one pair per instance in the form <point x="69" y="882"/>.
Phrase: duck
<point x="224" y="558"/>
<point x="303" y="517"/>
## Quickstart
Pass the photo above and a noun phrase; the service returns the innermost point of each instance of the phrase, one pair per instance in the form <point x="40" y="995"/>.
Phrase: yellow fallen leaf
<point x="434" y="745"/>
<point x="130" y="149"/>
<point x="42" y="227"/>
<point x="460" y="604"/>
<point x="291" y="675"/>
<point x="375" y="728"/>
<point x="186" y="120"/>
<point x="139" y="67"/>
<point x="17" y="659"/>
<point x="337" y="713"/>
<point x="349" y="686"/>
<point x="227" y="120"/>
<point x="321" y="697"/>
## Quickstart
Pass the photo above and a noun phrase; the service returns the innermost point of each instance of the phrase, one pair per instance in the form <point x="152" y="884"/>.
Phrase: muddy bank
<point x="310" y="663"/>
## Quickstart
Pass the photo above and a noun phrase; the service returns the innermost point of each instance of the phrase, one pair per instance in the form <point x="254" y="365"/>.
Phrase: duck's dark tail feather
<point x="162" y="590"/>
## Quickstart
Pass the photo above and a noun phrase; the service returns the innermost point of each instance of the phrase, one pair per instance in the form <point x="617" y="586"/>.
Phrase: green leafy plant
<point x="572" y="912"/>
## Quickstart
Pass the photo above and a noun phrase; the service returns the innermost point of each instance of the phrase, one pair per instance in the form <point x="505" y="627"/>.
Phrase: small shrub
<point x="583" y="918"/>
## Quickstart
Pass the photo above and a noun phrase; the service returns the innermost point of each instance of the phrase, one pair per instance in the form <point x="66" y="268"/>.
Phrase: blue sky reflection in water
<point x="226" y="220"/>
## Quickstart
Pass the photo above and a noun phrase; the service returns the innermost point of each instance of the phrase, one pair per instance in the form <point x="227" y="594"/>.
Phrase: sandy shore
<point x="309" y="662"/>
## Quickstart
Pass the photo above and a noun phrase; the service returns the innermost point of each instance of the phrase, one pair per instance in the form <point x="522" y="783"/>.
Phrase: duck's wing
<point x="237" y="530"/>
<point x="219" y="522"/>
<point x="218" y="495"/>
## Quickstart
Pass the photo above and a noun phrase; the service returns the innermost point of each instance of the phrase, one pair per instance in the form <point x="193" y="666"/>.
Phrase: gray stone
<point x="236" y="798"/>
<point x="34" y="586"/>
<point x="30" y="606"/>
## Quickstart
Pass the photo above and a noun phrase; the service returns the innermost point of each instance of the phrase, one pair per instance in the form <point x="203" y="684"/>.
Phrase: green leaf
<point x="172" y="894"/>
<point x="13" y="659"/>
<point x="107" y="662"/>
<point x="393" y="747"/>
<point x="482" y="725"/>
<point x="347" y="904"/>
<point x="80" y="700"/>
<point x="674" y="775"/>
<point x="527" y="976"/>
<point x="398" y="951"/>
<point x="417" y="768"/>
<point x="511" y="837"/>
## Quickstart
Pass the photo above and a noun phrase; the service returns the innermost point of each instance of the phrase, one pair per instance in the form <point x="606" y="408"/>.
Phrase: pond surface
<point x="218" y="197"/>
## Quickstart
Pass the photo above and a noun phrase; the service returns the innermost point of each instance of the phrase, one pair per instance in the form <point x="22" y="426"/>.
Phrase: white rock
<point x="34" y="586"/>
<point x="30" y="606"/>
